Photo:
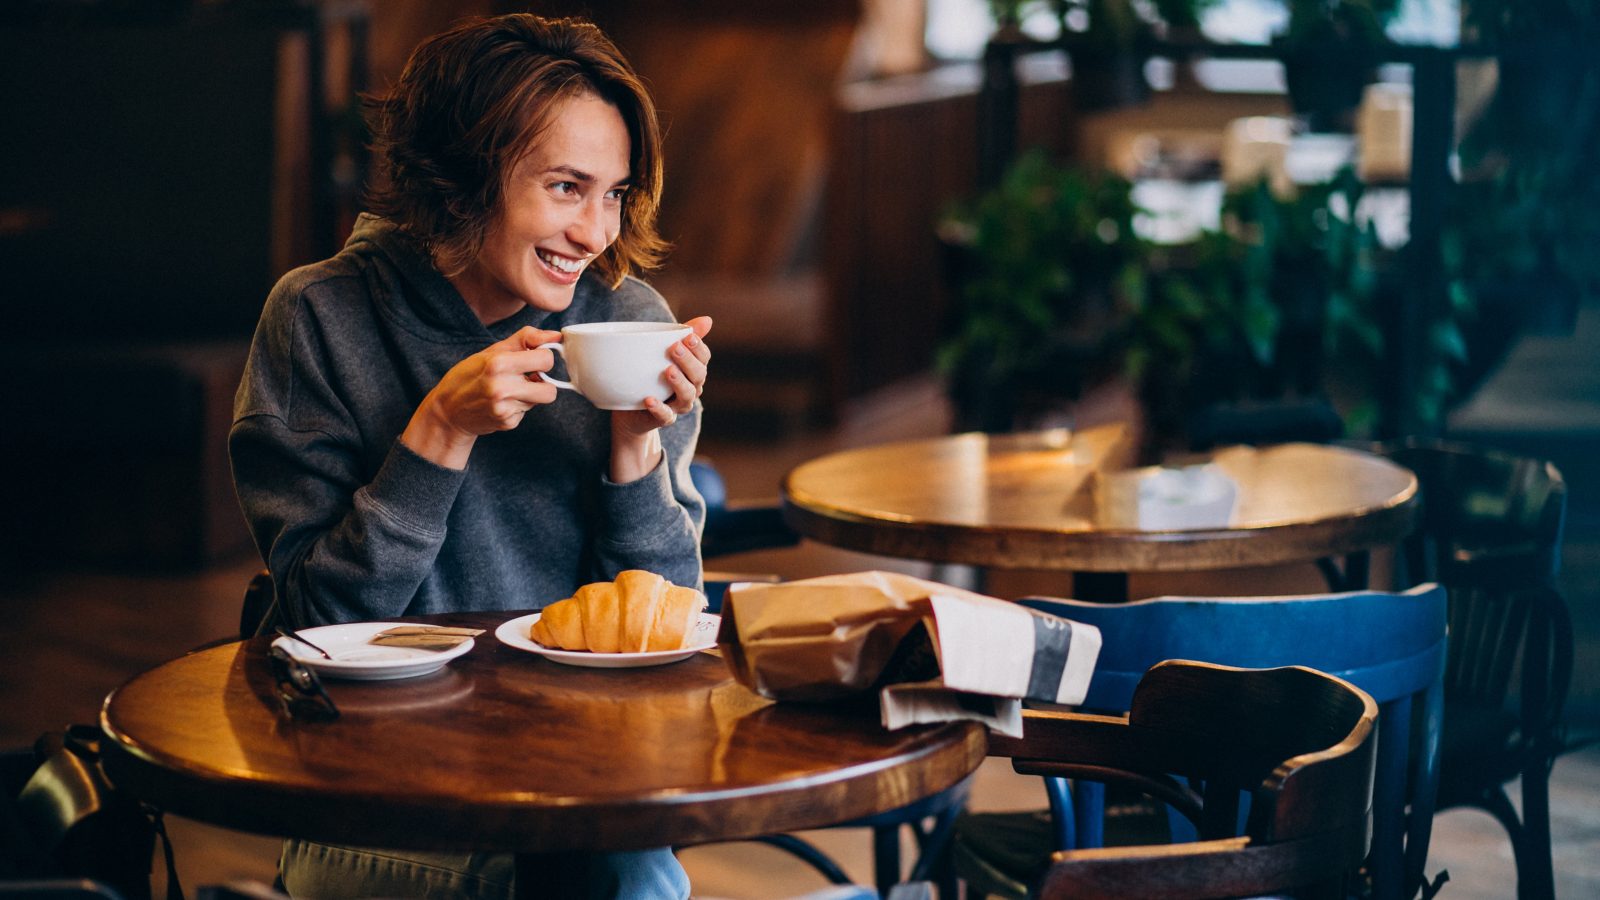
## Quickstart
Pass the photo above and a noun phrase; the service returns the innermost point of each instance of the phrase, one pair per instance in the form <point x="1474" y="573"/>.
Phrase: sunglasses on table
<point x="299" y="690"/>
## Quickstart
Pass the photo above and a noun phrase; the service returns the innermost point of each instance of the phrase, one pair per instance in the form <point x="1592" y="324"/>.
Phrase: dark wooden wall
<point x="155" y="175"/>
<point x="904" y="151"/>
<point x="745" y="91"/>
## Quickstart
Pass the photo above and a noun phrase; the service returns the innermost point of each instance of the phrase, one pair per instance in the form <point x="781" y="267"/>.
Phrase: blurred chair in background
<point x="738" y="528"/>
<point x="1265" y="422"/>
<point x="1491" y="532"/>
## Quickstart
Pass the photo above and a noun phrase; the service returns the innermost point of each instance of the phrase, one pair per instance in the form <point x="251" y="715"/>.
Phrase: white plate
<point x="515" y="634"/>
<point x="354" y="658"/>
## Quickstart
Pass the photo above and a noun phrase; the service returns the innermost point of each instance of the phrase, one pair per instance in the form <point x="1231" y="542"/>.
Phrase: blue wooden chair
<point x="1391" y="645"/>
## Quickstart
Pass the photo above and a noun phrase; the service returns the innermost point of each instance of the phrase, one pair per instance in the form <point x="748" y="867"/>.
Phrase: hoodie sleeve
<point x="656" y="522"/>
<point x="342" y="543"/>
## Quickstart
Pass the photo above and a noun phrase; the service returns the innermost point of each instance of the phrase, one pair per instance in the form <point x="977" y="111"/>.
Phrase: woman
<point x="394" y="448"/>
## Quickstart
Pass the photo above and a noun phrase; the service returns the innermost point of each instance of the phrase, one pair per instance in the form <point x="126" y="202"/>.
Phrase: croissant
<point x="638" y="612"/>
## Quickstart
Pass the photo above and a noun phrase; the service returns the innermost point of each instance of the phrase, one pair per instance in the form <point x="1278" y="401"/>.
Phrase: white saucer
<point x="515" y="634"/>
<point x="356" y="659"/>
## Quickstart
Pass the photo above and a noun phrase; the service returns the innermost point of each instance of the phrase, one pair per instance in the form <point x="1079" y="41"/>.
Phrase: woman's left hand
<point x="687" y="378"/>
<point x="634" y="447"/>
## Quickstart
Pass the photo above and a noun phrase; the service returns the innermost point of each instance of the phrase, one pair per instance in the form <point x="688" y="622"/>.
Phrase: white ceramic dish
<point x="354" y="658"/>
<point x="515" y="634"/>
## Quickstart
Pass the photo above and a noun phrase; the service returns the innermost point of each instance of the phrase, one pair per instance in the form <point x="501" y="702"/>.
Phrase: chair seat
<point x="1001" y="854"/>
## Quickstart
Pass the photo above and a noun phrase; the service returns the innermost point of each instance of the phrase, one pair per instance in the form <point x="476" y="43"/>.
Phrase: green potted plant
<point x="1244" y="317"/>
<point x="1058" y="292"/>
<point x="1330" y="51"/>
<point x="1046" y="262"/>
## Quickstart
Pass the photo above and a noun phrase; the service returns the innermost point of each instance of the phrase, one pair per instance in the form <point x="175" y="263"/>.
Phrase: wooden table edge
<point x="669" y="816"/>
<point x="1108" y="551"/>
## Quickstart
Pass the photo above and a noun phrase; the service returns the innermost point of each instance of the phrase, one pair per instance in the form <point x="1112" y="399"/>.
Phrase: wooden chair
<point x="1390" y="645"/>
<point x="1299" y="742"/>
<point x="259" y="611"/>
<point x="1491" y="533"/>
<point x="67" y="832"/>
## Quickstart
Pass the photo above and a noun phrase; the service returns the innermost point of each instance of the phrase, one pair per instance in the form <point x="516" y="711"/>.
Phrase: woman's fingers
<point x="663" y="414"/>
<point x="695" y="344"/>
<point x="684" y="391"/>
<point x="691" y="358"/>
<point x="526" y="362"/>
<point x="528" y="337"/>
<point x="700" y="325"/>
<point x="532" y="390"/>
<point x="689" y="364"/>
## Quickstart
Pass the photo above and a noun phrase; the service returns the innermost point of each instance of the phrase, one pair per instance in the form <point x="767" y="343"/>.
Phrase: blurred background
<point x="906" y="216"/>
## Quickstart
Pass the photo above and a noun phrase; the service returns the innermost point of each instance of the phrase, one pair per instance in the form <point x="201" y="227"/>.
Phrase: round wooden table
<point x="1038" y="501"/>
<point x="505" y="750"/>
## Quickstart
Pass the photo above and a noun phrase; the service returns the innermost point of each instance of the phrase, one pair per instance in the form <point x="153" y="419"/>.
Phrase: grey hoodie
<point x="353" y="525"/>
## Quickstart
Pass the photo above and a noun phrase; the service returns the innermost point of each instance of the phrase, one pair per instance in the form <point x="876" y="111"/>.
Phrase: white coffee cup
<point x="616" y="365"/>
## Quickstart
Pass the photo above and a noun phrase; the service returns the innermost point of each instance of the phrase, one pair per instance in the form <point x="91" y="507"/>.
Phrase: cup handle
<point x="556" y="347"/>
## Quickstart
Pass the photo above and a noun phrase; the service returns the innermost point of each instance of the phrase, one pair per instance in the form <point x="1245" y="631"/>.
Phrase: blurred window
<point x="957" y="29"/>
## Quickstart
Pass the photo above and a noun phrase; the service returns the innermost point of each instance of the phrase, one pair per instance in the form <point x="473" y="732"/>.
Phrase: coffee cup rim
<point x="623" y="328"/>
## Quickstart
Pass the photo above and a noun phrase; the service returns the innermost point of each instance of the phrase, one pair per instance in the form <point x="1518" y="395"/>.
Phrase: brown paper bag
<point x="819" y="638"/>
<point x="933" y="652"/>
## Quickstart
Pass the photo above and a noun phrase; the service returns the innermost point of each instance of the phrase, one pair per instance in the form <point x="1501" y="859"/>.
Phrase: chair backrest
<point x="260" y="609"/>
<point x="734" y="529"/>
<point x="1390" y="645"/>
<point x="1492" y="526"/>
<point x="1498" y="514"/>
<point x="65" y="830"/>
<point x="1300" y="742"/>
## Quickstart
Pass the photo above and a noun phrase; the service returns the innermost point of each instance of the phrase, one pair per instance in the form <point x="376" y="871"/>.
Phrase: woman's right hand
<point x="489" y="391"/>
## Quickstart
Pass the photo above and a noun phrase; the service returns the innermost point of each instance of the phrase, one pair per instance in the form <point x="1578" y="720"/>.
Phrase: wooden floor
<point x="71" y="637"/>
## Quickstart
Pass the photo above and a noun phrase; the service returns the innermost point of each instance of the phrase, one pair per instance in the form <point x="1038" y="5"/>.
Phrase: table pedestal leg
<point x="552" y="876"/>
<point x="1352" y="577"/>
<point x="582" y="875"/>
<point x="1100" y="587"/>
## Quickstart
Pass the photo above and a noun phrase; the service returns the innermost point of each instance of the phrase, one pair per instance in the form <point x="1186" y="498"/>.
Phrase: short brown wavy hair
<point x="472" y="100"/>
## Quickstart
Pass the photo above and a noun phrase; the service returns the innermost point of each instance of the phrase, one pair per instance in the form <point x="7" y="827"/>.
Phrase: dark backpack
<point x="63" y="819"/>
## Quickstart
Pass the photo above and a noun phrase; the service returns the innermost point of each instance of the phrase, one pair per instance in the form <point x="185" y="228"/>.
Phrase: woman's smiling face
<point x="561" y="207"/>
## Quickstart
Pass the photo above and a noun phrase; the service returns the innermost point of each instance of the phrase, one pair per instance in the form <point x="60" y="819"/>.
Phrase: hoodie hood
<point x="422" y="296"/>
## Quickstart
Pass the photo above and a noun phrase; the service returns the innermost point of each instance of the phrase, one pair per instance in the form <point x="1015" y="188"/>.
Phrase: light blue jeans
<point x="330" y="872"/>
